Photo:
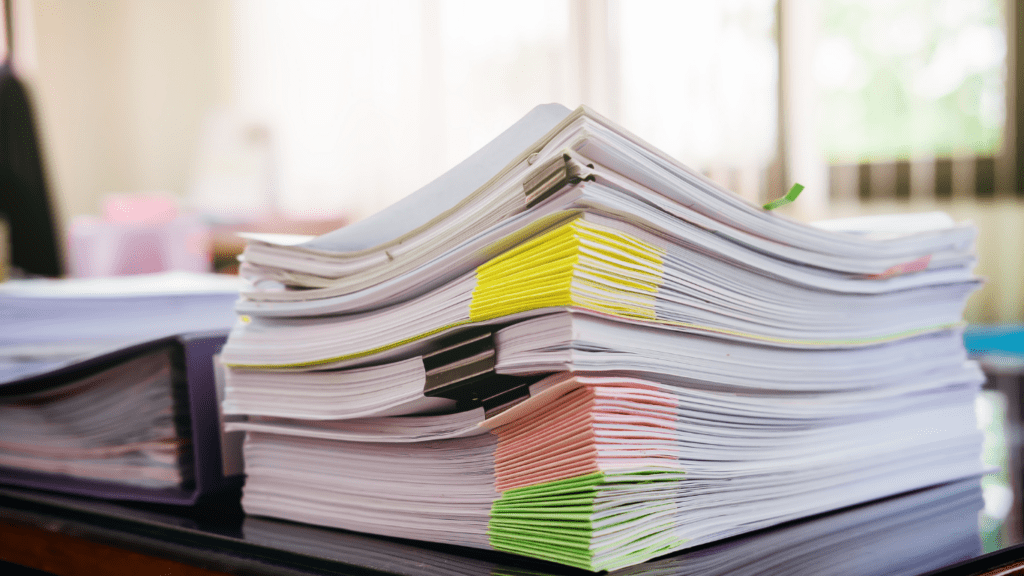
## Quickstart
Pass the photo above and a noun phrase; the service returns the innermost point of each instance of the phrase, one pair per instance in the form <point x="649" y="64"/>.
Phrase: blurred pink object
<point x="138" y="234"/>
<point x="139" y="209"/>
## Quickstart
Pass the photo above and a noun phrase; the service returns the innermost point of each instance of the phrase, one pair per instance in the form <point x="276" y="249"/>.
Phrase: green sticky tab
<point x="789" y="197"/>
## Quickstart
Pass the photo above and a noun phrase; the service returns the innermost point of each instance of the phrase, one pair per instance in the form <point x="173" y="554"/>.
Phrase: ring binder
<point x="191" y="365"/>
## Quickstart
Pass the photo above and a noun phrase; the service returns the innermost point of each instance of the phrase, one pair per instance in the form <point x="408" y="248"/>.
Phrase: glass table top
<point x="916" y="533"/>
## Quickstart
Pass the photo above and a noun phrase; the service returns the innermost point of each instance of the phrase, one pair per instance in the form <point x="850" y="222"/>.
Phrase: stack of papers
<point x="46" y="324"/>
<point x="574" y="348"/>
<point x="906" y="535"/>
<point x="107" y="385"/>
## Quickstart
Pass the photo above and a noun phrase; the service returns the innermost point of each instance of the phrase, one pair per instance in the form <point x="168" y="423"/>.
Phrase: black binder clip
<point x="568" y="170"/>
<point x="463" y="369"/>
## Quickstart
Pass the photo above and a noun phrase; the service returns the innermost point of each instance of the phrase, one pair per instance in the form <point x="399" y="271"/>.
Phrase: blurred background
<point x="165" y="126"/>
<point x="299" y="116"/>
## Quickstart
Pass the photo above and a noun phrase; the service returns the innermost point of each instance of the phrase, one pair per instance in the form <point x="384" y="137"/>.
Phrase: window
<point x="365" y="101"/>
<point x="910" y="78"/>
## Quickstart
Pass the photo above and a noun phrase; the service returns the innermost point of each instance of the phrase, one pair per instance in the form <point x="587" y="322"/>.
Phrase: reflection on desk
<point x="912" y="534"/>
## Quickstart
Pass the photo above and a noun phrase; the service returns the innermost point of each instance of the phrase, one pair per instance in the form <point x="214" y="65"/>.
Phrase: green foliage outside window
<point x="910" y="78"/>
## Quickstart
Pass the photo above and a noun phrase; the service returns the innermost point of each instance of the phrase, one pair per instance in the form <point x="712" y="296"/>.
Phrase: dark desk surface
<point x="932" y="531"/>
